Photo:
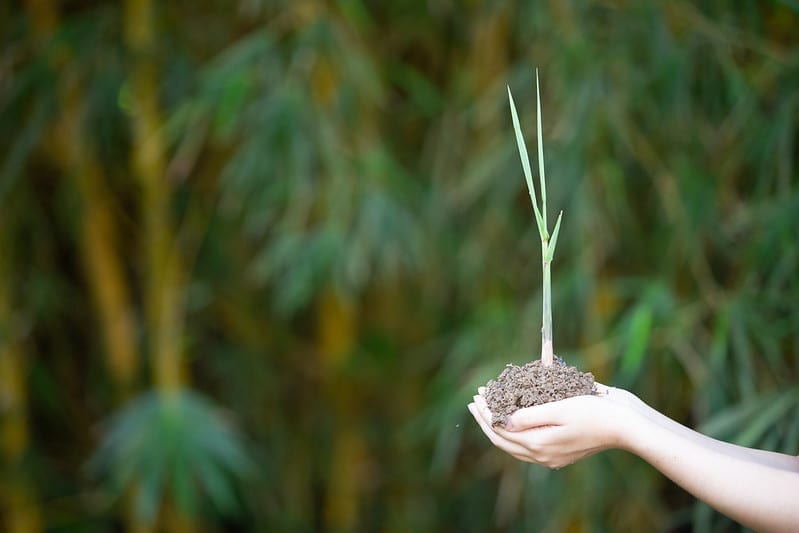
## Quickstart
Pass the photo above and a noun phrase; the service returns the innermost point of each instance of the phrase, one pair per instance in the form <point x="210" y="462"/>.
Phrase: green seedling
<point x="547" y="243"/>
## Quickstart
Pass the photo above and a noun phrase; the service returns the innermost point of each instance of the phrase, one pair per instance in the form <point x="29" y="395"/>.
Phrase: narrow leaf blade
<point x="528" y="175"/>
<point x="541" y="174"/>
<point x="554" y="240"/>
<point x="639" y="332"/>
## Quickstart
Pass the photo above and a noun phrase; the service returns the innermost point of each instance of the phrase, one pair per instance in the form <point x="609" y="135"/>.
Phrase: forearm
<point x="760" y="496"/>
<point x="766" y="458"/>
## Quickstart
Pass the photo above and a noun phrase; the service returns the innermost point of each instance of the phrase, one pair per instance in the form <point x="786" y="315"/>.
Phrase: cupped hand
<point x="559" y="433"/>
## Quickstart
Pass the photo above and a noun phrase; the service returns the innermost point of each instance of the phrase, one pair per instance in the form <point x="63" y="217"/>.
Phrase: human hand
<point x="560" y="433"/>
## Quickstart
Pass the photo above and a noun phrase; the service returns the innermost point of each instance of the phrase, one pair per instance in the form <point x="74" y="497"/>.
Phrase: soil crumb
<point x="534" y="384"/>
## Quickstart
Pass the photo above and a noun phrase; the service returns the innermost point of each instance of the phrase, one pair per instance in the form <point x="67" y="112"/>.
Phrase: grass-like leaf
<point x="541" y="173"/>
<point x="528" y="174"/>
<point x="554" y="240"/>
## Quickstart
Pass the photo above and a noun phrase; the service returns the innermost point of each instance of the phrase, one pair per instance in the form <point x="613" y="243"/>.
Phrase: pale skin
<point x="757" y="488"/>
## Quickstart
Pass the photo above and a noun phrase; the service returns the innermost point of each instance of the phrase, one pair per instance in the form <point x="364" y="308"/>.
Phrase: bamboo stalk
<point x="103" y="266"/>
<point x="17" y="503"/>
<point x="163" y="287"/>
<point x="72" y="152"/>
<point x="337" y="329"/>
<point x="163" y="291"/>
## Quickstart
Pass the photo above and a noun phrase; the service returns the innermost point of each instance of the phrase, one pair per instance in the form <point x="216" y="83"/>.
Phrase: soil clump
<point x="534" y="384"/>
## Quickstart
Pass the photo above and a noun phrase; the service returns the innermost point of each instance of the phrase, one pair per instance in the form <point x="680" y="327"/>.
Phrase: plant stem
<point x="547" y="355"/>
<point x="546" y="259"/>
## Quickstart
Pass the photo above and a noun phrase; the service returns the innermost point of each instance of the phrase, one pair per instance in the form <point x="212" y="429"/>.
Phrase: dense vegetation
<point x="256" y="256"/>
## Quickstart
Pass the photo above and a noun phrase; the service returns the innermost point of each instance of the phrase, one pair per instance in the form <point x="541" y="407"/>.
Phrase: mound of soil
<point x="534" y="384"/>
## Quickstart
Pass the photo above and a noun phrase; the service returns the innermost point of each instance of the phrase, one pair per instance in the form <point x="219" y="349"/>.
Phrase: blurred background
<point x="256" y="256"/>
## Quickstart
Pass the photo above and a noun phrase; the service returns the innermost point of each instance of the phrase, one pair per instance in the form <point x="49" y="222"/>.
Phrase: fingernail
<point x="509" y="423"/>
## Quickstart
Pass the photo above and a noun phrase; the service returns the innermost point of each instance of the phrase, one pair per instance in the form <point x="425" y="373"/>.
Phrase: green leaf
<point x="216" y="485"/>
<point x="723" y="424"/>
<point x="756" y="416"/>
<point x="150" y="489"/>
<point x="180" y="440"/>
<point x="554" y="240"/>
<point x="183" y="490"/>
<point x="768" y="418"/>
<point x="640" y="327"/>
<point x="528" y="174"/>
<point x="541" y="174"/>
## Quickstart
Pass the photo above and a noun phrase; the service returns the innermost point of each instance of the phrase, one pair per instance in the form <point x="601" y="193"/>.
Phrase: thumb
<point x="531" y="417"/>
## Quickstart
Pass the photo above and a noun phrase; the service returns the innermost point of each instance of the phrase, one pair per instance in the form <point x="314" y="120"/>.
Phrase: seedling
<point x="518" y="386"/>
<point x="547" y="243"/>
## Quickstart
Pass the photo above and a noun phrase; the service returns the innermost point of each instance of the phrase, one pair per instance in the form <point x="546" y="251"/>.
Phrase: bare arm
<point x="766" y="458"/>
<point x="759" y="489"/>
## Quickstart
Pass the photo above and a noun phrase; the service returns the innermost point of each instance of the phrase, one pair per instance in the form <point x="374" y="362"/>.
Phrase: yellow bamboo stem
<point x="163" y="292"/>
<point x="337" y="328"/>
<point x="71" y="151"/>
<point x="101" y="259"/>
<point x="73" y="154"/>
<point x="17" y="503"/>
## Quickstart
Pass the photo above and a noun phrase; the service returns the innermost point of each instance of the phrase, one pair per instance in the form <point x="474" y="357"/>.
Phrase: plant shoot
<point x="547" y="243"/>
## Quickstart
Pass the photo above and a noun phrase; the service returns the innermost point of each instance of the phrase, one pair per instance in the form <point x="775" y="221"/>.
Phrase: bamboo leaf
<point x="722" y="425"/>
<point x="638" y="337"/>
<point x="768" y="418"/>
<point x="528" y="175"/>
<point x="756" y="416"/>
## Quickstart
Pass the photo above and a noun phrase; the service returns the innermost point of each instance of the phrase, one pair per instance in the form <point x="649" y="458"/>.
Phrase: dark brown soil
<point x="534" y="384"/>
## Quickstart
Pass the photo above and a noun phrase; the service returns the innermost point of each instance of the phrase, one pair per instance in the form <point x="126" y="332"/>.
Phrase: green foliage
<point x="539" y="218"/>
<point x="176" y="446"/>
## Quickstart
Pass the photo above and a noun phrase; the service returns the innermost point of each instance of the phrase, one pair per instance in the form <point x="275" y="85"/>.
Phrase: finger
<point x="525" y="458"/>
<point x="527" y="446"/>
<point x="511" y="448"/>
<point x="483" y="406"/>
<point x="481" y="391"/>
<point x="515" y="443"/>
<point x="481" y="402"/>
<point x="531" y="438"/>
<point x="501" y="443"/>
<point x="484" y="424"/>
<point x="536" y="416"/>
<point x="484" y="413"/>
<point x="478" y="414"/>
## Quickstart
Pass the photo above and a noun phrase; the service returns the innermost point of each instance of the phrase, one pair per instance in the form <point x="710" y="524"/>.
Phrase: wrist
<point x="625" y="397"/>
<point x="631" y="426"/>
